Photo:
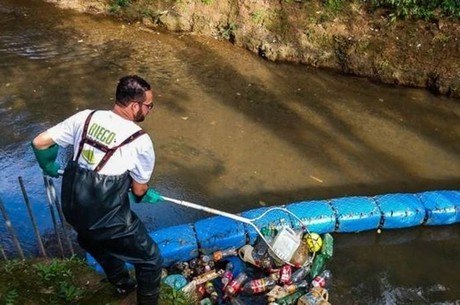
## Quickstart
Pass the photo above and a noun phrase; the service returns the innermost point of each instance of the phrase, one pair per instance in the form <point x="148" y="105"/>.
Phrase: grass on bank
<point x="64" y="282"/>
<point x="397" y="9"/>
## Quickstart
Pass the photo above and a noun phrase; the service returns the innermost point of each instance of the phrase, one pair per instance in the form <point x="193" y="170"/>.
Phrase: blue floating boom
<point x="400" y="210"/>
<point x="355" y="214"/>
<point x="442" y="207"/>
<point x="346" y="214"/>
<point x="217" y="233"/>
<point x="318" y="216"/>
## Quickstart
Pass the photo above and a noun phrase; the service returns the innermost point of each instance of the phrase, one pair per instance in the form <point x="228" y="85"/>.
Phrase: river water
<point x="235" y="132"/>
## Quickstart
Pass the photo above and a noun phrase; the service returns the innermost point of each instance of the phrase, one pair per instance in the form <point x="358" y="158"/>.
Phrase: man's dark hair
<point x="131" y="88"/>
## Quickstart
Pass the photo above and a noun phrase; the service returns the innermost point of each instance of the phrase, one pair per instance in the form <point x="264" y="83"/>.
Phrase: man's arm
<point x="43" y="141"/>
<point x="46" y="151"/>
<point x="139" y="189"/>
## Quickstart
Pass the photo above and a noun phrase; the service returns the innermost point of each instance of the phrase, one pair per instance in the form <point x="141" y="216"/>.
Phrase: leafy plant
<point x="175" y="297"/>
<point x="228" y="32"/>
<point x="12" y="265"/>
<point x="51" y="272"/>
<point x="335" y="5"/>
<point x="11" y="297"/>
<point x="68" y="292"/>
<point x="116" y="5"/>
<point x="207" y="2"/>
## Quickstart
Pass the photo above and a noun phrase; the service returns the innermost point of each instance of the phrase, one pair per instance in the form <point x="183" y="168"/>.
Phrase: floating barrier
<point x="346" y="214"/>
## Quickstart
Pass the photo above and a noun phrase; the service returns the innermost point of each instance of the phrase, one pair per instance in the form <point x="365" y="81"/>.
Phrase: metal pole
<point x="3" y="253"/>
<point x="32" y="218"/>
<point x="11" y="230"/>
<point x="53" y="215"/>
<point x="61" y="215"/>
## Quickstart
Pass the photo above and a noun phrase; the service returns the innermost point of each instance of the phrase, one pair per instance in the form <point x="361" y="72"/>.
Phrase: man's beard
<point x="139" y="117"/>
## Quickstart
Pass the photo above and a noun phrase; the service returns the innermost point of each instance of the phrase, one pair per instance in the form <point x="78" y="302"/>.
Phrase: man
<point x="111" y="155"/>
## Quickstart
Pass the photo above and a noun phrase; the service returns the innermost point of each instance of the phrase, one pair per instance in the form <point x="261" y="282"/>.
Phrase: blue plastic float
<point x="346" y="214"/>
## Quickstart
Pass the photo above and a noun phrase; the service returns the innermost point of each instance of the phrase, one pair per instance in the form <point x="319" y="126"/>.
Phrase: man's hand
<point x="151" y="196"/>
<point x="47" y="159"/>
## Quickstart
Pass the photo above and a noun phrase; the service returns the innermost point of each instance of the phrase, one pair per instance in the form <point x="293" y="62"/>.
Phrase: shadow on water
<point x="337" y="141"/>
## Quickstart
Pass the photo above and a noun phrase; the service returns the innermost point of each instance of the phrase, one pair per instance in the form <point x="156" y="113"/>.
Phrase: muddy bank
<point x="352" y="39"/>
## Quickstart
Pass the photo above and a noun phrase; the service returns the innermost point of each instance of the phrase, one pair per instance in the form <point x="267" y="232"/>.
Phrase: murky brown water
<point x="235" y="132"/>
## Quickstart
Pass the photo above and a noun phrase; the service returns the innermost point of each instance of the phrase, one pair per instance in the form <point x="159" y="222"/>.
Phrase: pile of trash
<point x="282" y="267"/>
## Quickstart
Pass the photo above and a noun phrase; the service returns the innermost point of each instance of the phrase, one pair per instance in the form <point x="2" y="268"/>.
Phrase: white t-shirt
<point x="109" y="129"/>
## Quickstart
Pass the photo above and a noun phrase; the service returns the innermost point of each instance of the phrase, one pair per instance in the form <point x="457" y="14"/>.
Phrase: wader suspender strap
<point x="108" y="151"/>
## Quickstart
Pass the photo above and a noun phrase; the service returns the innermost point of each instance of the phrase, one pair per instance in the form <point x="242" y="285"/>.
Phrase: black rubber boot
<point x="123" y="282"/>
<point x="151" y="299"/>
<point x="126" y="286"/>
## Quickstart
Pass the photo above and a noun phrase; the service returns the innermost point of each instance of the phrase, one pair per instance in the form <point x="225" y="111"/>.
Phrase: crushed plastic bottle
<point x="259" y="285"/>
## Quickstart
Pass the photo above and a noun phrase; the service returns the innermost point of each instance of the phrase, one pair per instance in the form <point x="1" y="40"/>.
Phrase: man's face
<point x="144" y="108"/>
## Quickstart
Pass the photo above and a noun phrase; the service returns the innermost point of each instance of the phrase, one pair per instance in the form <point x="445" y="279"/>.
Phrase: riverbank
<point x="65" y="281"/>
<point x="349" y="38"/>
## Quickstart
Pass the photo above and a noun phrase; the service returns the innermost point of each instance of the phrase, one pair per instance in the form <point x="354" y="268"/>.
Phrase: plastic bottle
<point x="206" y="301"/>
<point x="208" y="276"/>
<point x="235" y="285"/>
<point x="285" y="274"/>
<point x="214" y="296"/>
<point x="300" y="255"/>
<point x="212" y="293"/>
<point x="209" y="287"/>
<point x="328" y="246"/>
<point x="218" y="255"/>
<point x="236" y="301"/>
<point x="228" y="274"/>
<point x="259" y="285"/>
<point x="303" y="285"/>
<point x="319" y="263"/>
<point x="290" y="299"/>
<point x="300" y="274"/>
<point x="322" y="279"/>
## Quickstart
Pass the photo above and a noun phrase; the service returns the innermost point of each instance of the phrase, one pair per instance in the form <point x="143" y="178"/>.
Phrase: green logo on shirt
<point x="101" y="134"/>
<point x="88" y="156"/>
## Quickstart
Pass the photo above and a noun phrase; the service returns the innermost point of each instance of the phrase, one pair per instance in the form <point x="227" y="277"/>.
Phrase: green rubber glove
<point x="151" y="196"/>
<point x="47" y="159"/>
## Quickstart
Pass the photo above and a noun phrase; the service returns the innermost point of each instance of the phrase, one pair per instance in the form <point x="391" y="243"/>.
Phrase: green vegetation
<point x="416" y="9"/>
<point x="228" y="32"/>
<point x="259" y="16"/>
<point x="335" y="5"/>
<point x="116" y="5"/>
<point x="64" y="282"/>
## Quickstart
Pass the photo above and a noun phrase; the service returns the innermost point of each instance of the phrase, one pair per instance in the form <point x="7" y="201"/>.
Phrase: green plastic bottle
<point x="319" y="263"/>
<point x="290" y="299"/>
<point x="327" y="248"/>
